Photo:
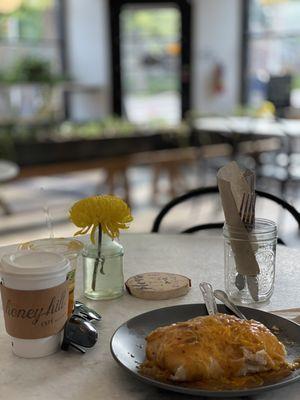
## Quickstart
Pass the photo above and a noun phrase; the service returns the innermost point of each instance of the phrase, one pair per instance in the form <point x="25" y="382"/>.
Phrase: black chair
<point x="218" y="225"/>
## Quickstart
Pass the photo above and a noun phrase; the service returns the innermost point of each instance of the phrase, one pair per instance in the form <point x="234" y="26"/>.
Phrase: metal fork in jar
<point x="247" y="214"/>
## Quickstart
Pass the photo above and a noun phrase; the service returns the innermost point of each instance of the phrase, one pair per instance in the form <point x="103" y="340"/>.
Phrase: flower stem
<point x="98" y="258"/>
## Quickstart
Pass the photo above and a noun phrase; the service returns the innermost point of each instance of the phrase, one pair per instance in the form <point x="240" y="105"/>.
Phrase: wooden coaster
<point x="158" y="285"/>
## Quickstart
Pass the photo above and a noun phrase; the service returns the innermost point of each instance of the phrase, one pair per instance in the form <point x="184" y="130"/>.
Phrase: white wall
<point x="217" y="32"/>
<point x="88" y="57"/>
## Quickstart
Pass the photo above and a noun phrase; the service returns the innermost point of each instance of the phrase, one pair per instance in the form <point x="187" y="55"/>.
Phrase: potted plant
<point x="31" y="88"/>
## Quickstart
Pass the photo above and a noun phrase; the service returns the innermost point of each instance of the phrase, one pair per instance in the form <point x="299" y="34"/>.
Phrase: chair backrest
<point x="214" y="189"/>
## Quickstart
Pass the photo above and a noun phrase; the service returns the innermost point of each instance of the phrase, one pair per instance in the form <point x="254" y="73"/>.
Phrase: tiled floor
<point x="29" y="198"/>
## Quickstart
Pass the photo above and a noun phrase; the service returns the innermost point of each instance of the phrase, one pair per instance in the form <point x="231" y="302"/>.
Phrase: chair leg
<point x="177" y="184"/>
<point x="126" y="187"/>
<point x="155" y="181"/>
<point x="283" y="186"/>
<point x="5" y="207"/>
<point x="172" y="173"/>
<point x="110" y="180"/>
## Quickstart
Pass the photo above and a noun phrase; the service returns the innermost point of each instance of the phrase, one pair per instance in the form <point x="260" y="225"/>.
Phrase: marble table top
<point x="95" y="375"/>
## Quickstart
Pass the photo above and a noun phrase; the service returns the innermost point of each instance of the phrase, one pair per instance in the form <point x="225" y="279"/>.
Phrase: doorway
<point x="151" y="60"/>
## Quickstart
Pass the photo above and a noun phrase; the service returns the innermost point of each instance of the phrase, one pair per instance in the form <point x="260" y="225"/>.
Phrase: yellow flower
<point x="109" y="212"/>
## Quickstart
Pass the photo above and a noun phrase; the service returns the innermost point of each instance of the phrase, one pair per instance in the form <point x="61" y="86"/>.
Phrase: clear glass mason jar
<point x="259" y="242"/>
<point x="103" y="277"/>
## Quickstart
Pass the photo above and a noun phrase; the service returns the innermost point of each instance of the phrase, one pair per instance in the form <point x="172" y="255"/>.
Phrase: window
<point x="31" y="30"/>
<point x="273" y="51"/>
<point x="151" y="59"/>
<point x="150" y="63"/>
<point x="31" y="55"/>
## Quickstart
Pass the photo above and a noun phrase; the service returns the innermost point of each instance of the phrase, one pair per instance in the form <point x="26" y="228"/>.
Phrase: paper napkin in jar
<point x="233" y="185"/>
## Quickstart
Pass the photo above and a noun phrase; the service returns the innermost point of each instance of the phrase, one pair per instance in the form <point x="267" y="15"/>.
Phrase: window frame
<point x="186" y="38"/>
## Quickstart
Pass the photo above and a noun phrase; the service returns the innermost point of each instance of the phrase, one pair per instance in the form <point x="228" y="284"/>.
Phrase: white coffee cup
<point x="27" y="270"/>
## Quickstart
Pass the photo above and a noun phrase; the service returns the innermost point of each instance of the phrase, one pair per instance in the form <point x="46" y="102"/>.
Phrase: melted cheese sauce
<point x="216" y="353"/>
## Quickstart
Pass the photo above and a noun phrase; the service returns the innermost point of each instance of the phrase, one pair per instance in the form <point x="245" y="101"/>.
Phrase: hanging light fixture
<point x="8" y="6"/>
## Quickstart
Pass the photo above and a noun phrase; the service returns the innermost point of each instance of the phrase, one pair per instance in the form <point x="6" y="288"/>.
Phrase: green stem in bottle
<point x="98" y="259"/>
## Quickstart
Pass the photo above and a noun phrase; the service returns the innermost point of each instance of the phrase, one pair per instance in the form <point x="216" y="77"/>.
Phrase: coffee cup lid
<point x="33" y="263"/>
<point x="69" y="248"/>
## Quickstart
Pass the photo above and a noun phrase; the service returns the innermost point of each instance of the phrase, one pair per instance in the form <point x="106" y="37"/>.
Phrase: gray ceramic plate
<point x="128" y="344"/>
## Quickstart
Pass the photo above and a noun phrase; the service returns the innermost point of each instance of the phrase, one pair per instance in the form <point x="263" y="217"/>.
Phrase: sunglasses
<point x="86" y="312"/>
<point x="79" y="331"/>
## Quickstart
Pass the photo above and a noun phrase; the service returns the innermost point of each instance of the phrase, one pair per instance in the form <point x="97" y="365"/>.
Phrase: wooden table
<point x="254" y="136"/>
<point x="95" y="375"/>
